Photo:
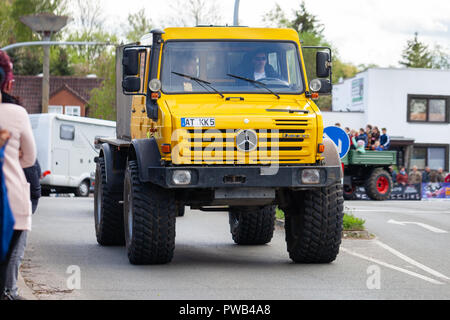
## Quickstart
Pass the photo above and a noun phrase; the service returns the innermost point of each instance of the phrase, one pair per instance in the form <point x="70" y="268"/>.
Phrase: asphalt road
<point x="410" y="261"/>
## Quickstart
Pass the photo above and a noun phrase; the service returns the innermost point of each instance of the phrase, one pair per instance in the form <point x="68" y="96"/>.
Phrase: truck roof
<point x="51" y="116"/>
<point x="230" y="33"/>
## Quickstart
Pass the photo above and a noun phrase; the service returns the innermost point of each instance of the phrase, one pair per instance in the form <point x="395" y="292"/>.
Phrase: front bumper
<point x="244" y="176"/>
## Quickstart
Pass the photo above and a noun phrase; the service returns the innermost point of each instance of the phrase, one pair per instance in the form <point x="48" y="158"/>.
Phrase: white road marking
<point x="381" y="263"/>
<point x="411" y="261"/>
<point x="423" y="225"/>
<point x="393" y="210"/>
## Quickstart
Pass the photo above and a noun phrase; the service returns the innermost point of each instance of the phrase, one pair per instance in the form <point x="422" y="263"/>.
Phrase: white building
<point x="413" y="104"/>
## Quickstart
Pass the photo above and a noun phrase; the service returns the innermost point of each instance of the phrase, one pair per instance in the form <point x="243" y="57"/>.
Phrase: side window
<point x="293" y="70"/>
<point x="67" y="132"/>
<point x="273" y="61"/>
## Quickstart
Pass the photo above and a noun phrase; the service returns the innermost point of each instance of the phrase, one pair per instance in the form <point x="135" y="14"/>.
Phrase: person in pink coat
<point x="20" y="152"/>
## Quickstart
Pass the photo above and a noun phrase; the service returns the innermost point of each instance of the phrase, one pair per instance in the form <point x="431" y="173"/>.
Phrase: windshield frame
<point x="299" y="56"/>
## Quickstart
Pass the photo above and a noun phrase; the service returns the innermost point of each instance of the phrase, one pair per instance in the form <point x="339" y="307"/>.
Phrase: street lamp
<point x="236" y="13"/>
<point x="45" y="24"/>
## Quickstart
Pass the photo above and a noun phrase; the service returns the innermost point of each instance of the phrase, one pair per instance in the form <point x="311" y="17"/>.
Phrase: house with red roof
<point x="68" y="95"/>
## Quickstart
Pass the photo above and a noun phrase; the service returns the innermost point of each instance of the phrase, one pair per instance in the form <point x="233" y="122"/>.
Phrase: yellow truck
<point x="219" y="119"/>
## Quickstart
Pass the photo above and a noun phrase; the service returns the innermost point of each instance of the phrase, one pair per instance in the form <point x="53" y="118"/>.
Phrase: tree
<point x="59" y="62"/>
<point x="195" y="12"/>
<point x="302" y="22"/>
<point x="441" y="58"/>
<point x="102" y="104"/>
<point x="27" y="61"/>
<point x="416" y="54"/>
<point x="88" y="26"/>
<point x="139" y="25"/>
<point x="310" y="32"/>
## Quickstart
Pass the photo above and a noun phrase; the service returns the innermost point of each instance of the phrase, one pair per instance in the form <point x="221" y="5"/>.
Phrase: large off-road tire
<point x="108" y="210"/>
<point x="252" y="225"/>
<point x="379" y="185"/>
<point x="149" y="219"/>
<point x="313" y="223"/>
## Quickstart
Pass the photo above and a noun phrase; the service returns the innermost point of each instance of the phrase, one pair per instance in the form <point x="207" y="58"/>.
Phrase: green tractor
<point x="370" y="170"/>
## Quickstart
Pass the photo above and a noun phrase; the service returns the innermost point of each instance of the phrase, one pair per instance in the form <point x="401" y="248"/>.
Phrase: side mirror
<point x="130" y="62"/>
<point x="321" y="86"/>
<point x="323" y="64"/>
<point x="131" y="84"/>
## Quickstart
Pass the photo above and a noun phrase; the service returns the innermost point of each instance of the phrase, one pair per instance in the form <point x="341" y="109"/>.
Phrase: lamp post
<point x="45" y="24"/>
<point x="236" y="13"/>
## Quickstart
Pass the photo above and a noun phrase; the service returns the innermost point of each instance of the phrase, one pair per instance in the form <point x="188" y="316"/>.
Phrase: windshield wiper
<point x="199" y="81"/>
<point x="254" y="82"/>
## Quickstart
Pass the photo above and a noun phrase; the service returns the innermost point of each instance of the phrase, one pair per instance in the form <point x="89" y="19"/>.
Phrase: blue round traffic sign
<point x="340" y="139"/>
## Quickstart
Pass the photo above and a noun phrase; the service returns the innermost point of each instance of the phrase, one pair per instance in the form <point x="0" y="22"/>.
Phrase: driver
<point x="188" y="66"/>
<point x="260" y="68"/>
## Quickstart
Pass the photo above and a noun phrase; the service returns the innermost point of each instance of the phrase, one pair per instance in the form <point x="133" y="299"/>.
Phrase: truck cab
<point x="219" y="119"/>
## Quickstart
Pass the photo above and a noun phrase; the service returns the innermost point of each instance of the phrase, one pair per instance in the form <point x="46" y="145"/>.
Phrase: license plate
<point x="198" y="122"/>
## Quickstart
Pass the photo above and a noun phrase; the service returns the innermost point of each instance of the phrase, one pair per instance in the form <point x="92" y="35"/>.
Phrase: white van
<point x="66" y="150"/>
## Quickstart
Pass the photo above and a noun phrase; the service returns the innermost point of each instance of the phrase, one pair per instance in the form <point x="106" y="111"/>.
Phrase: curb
<point x="24" y="290"/>
<point x="279" y="223"/>
<point x="346" y="234"/>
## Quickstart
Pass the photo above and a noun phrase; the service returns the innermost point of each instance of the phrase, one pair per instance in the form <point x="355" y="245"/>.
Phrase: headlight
<point x="315" y="85"/>
<point x="181" y="177"/>
<point x="310" y="176"/>
<point x="154" y="85"/>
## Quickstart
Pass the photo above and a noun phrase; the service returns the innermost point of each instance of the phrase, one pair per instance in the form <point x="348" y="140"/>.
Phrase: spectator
<point x="369" y="136"/>
<point x="426" y="175"/>
<point x="352" y="135"/>
<point x="393" y="174"/>
<point x="375" y="136"/>
<point x="359" y="145"/>
<point x="362" y="136"/>
<point x="415" y="177"/>
<point x="447" y="178"/>
<point x="402" y="177"/>
<point x="385" y="140"/>
<point x="337" y="124"/>
<point x="437" y="176"/>
<point x="377" y="146"/>
<point x="20" y="153"/>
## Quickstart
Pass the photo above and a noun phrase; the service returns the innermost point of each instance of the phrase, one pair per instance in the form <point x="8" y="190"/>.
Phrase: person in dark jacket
<point x="393" y="174"/>
<point x="385" y="140"/>
<point x="259" y="68"/>
<point x="426" y="175"/>
<point x="362" y="136"/>
<point x="33" y="175"/>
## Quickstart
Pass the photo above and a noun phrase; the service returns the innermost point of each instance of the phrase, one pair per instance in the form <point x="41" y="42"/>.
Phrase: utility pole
<point x="236" y="13"/>
<point x="45" y="24"/>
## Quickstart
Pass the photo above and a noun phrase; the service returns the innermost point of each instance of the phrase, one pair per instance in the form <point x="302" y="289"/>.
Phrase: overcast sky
<point x="363" y="31"/>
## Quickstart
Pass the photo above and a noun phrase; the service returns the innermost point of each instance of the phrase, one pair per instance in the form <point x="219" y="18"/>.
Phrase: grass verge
<point x="351" y="223"/>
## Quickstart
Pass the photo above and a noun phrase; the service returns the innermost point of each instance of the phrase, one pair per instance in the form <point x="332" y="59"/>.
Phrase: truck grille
<point x="287" y="142"/>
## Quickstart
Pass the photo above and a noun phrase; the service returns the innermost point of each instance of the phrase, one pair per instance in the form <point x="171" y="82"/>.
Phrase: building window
<point x="55" y="109"/>
<point x="73" y="111"/>
<point x="433" y="156"/>
<point x="430" y="109"/>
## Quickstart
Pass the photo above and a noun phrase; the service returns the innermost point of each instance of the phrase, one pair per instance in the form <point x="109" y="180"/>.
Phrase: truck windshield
<point x="228" y="65"/>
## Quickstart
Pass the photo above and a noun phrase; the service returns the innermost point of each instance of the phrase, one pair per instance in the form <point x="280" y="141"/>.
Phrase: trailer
<point x="66" y="151"/>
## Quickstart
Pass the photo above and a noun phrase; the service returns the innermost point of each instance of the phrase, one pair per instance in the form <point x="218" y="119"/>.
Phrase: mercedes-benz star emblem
<point x="246" y="140"/>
